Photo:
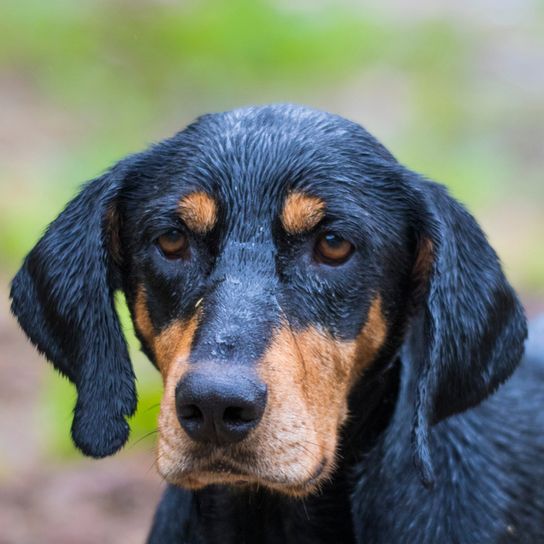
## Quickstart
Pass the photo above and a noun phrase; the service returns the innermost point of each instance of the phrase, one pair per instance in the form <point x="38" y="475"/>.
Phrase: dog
<point x="333" y="332"/>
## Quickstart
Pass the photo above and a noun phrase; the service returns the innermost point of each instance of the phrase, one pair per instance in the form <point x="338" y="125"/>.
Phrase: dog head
<point x="270" y="257"/>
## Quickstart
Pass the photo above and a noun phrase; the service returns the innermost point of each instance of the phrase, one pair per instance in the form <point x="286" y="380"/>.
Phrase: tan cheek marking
<point x="198" y="211"/>
<point x="309" y="375"/>
<point x="301" y="212"/>
<point x="142" y="320"/>
<point x="371" y="338"/>
<point x="286" y="443"/>
<point x="175" y="342"/>
<point x="319" y="351"/>
<point x="171" y="344"/>
<point x="171" y="349"/>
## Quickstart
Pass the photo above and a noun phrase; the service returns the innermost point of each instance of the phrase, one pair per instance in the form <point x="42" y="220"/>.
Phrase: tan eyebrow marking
<point x="301" y="212"/>
<point x="198" y="211"/>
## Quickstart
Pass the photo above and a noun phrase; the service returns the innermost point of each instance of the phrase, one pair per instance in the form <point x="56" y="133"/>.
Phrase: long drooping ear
<point x="63" y="298"/>
<point x="468" y="335"/>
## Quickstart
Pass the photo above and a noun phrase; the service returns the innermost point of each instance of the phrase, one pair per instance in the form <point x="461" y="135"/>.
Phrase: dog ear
<point x="63" y="298"/>
<point x="468" y="335"/>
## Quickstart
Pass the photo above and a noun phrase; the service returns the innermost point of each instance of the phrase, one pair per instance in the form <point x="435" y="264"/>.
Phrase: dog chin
<point x="226" y="475"/>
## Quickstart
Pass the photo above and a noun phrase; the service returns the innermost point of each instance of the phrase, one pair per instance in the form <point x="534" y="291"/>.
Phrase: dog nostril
<point x="190" y="411"/>
<point x="238" y="414"/>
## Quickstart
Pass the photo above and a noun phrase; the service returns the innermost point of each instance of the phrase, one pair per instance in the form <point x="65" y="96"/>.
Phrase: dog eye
<point x="332" y="249"/>
<point x="173" y="244"/>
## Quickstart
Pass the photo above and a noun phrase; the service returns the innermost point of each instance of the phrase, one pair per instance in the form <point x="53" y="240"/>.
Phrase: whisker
<point x="156" y="405"/>
<point x="144" y="437"/>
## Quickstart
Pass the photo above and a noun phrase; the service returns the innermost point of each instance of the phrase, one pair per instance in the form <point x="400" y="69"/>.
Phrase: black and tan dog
<point x="330" y="327"/>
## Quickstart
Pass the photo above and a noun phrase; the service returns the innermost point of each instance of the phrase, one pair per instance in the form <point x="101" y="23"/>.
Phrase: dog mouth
<point x="243" y="475"/>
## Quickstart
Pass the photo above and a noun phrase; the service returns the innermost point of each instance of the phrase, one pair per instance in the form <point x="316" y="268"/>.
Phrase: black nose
<point x="219" y="409"/>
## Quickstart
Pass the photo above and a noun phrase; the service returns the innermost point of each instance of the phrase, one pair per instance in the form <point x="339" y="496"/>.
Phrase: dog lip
<point x="246" y="477"/>
<point x="230" y="472"/>
<point x="224" y="467"/>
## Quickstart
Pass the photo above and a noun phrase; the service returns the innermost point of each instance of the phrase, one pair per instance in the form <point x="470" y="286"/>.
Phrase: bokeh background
<point x="454" y="89"/>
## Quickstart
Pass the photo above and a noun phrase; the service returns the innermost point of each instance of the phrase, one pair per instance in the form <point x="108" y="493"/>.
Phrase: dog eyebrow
<point x="198" y="211"/>
<point x="301" y="212"/>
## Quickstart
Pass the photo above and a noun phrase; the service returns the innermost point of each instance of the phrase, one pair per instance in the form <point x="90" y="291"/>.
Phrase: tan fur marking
<point x="301" y="212"/>
<point x="198" y="211"/>
<point x="172" y="343"/>
<point x="171" y="349"/>
<point x="423" y="268"/>
<point x="309" y="375"/>
<point x="371" y="338"/>
<point x="142" y="320"/>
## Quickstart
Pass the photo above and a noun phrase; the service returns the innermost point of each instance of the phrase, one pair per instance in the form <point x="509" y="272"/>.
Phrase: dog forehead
<point x="245" y="149"/>
<point x="250" y="159"/>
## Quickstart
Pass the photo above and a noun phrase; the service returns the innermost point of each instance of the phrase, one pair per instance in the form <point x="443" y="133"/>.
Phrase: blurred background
<point x="454" y="89"/>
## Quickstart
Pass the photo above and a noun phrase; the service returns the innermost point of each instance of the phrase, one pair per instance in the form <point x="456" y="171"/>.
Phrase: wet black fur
<point x="433" y="452"/>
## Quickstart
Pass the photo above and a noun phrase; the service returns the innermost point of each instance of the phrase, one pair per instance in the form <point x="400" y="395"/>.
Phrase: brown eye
<point x="331" y="249"/>
<point x="173" y="244"/>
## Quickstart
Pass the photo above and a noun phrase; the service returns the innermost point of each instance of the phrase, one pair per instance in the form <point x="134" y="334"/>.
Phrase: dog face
<point x="270" y="258"/>
<point x="259" y="293"/>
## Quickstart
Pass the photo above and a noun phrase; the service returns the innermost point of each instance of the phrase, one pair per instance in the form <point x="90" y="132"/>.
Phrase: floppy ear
<point x="63" y="298"/>
<point x="469" y="332"/>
